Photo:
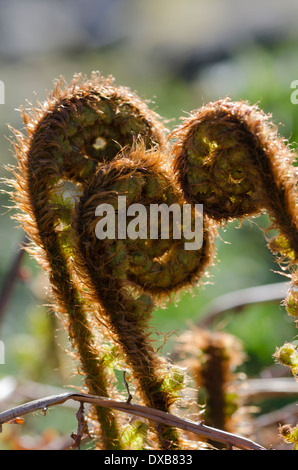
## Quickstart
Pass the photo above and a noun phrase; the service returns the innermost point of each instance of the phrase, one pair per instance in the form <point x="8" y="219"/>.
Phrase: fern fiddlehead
<point x="62" y="145"/>
<point x="229" y="157"/>
<point x="75" y="138"/>
<point x="126" y="276"/>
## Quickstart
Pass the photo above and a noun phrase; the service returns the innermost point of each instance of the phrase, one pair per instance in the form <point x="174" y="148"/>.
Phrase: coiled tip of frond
<point x="229" y="157"/>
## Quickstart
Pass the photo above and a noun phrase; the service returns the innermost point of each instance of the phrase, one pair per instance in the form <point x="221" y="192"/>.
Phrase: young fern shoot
<point x="229" y="156"/>
<point x="62" y="147"/>
<point x="92" y="143"/>
<point x="73" y="149"/>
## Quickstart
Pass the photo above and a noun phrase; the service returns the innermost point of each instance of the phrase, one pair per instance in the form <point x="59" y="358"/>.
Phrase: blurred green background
<point x="179" y="55"/>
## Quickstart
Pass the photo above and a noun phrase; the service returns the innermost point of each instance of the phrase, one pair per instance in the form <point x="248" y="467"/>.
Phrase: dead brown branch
<point x="206" y="432"/>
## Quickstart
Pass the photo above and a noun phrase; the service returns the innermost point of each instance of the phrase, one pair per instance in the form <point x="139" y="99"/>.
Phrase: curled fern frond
<point x="126" y="276"/>
<point x="68" y="163"/>
<point x="79" y="126"/>
<point x="229" y="156"/>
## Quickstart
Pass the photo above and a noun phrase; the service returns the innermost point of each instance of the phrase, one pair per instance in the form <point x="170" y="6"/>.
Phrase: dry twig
<point x="137" y="410"/>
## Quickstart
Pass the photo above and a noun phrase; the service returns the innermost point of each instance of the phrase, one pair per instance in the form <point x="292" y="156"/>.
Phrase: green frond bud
<point x="289" y="434"/>
<point x="288" y="356"/>
<point x="280" y="244"/>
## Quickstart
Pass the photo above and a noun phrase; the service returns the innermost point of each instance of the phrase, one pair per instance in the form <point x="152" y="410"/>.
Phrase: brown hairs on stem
<point x="68" y="163"/>
<point x="80" y="125"/>
<point x="93" y="143"/>
<point x="127" y="276"/>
